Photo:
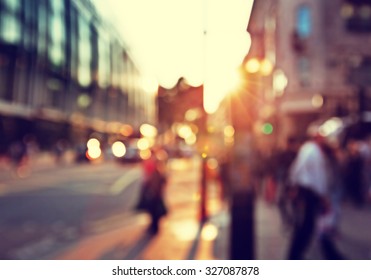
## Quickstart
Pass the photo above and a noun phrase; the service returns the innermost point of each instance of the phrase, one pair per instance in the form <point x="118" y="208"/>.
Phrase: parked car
<point x="130" y="151"/>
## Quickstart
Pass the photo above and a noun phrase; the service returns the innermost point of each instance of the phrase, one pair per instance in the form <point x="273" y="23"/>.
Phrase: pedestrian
<point x="353" y="170"/>
<point x="152" y="191"/>
<point x="282" y="164"/>
<point x="18" y="153"/>
<point x="312" y="177"/>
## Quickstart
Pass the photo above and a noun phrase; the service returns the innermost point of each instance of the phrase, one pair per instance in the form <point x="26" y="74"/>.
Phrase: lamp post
<point x="242" y="172"/>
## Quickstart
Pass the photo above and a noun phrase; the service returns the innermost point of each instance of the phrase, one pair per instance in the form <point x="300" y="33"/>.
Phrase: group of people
<point x="313" y="178"/>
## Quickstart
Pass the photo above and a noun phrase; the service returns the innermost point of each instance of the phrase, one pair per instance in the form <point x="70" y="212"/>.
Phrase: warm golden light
<point x="347" y="11"/>
<point x="229" y="131"/>
<point x="266" y="67"/>
<point x="330" y="126"/>
<point x="118" y="149"/>
<point x="317" y="101"/>
<point x="150" y="85"/>
<point x="190" y="140"/>
<point x="209" y="232"/>
<point x="93" y="143"/>
<point x="145" y="154"/>
<point x="143" y="144"/>
<point x="193" y="114"/>
<point x="126" y="130"/>
<point x="93" y="153"/>
<point x="203" y="50"/>
<point x="252" y="66"/>
<point x="185" y="230"/>
<point x="280" y="82"/>
<point x="148" y="130"/>
<point x="185" y="131"/>
<point x="212" y="163"/>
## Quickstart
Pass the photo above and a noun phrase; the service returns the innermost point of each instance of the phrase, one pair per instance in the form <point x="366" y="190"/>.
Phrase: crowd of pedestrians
<point x="311" y="179"/>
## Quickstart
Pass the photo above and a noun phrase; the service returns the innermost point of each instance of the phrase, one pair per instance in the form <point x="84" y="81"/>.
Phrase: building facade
<point x="65" y="73"/>
<point x="320" y="57"/>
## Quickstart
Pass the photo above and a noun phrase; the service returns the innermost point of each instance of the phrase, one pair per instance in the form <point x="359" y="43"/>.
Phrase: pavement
<point x="183" y="236"/>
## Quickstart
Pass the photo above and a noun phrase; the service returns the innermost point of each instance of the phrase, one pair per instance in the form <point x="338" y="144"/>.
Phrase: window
<point x="56" y="33"/>
<point x="12" y="6"/>
<point x="84" y="49"/>
<point x="41" y="26"/>
<point x="10" y="25"/>
<point x="30" y="24"/>
<point x="357" y="15"/>
<point x="73" y="42"/>
<point x="303" y="21"/>
<point x="304" y="71"/>
<point x="103" y="61"/>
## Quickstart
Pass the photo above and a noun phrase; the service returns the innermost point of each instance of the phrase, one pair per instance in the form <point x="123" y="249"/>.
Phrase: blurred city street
<point x="185" y="130"/>
<point x="87" y="211"/>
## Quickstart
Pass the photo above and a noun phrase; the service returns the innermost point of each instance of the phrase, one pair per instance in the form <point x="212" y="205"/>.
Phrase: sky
<point x="202" y="41"/>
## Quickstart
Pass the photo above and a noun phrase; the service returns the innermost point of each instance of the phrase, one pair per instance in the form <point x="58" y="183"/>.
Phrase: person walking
<point x="152" y="193"/>
<point x="312" y="177"/>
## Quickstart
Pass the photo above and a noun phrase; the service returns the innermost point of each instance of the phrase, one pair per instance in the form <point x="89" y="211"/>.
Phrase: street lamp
<point x="243" y="109"/>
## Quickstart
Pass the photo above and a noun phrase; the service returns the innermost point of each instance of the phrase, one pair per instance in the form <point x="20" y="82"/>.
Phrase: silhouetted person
<point x="313" y="177"/>
<point x="152" y="192"/>
<point x="17" y="153"/>
<point x="282" y="163"/>
<point x="354" y="172"/>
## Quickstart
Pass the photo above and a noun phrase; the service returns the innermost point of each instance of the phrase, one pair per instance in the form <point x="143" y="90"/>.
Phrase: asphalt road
<point x="49" y="208"/>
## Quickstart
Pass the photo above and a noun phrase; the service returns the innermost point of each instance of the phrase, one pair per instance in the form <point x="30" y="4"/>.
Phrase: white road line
<point x="125" y="180"/>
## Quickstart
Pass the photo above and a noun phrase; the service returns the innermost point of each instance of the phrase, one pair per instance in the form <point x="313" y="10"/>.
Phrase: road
<point x="49" y="208"/>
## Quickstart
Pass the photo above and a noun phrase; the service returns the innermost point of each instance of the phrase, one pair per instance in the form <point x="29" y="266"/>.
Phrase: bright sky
<point x="167" y="39"/>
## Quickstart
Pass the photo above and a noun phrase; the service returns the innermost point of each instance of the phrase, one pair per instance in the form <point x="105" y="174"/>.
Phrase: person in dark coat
<point x="152" y="192"/>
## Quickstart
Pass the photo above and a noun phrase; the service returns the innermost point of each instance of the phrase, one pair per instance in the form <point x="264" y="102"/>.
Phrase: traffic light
<point x="267" y="128"/>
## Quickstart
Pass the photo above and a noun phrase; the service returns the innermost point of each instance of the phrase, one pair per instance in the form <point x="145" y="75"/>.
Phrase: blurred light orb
<point x="93" y="143"/>
<point x="83" y="101"/>
<point x="330" y="127"/>
<point x="365" y="12"/>
<point x="126" y="130"/>
<point x="118" y="149"/>
<point x="266" y="67"/>
<point x="148" y="130"/>
<point x="252" y="66"/>
<point x="193" y="114"/>
<point x="317" y="101"/>
<point x="192" y="139"/>
<point x="229" y="131"/>
<point x="267" y="128"/>
<point x="185" y="131"/>
<point x="143" y="144"/>
<point x="145" y="154"/>
<point x="280" y="81"/>
<point x="209" y="232"/>
<point x="347" y="11"/>
<point x="212" y="163"/>
<point x="93" y="152"/>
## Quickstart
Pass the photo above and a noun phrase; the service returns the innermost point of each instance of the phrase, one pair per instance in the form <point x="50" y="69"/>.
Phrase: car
<point x="130" y="151"/>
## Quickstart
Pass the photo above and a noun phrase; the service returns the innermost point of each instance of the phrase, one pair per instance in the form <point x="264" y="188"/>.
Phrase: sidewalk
<point x="35" y="162"/>
<point x="181" y="235"/>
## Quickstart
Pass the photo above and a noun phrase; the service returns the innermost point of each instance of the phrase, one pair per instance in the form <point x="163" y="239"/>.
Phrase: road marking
<point x="125" y="180"/>
<point x="126" y="219"/>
